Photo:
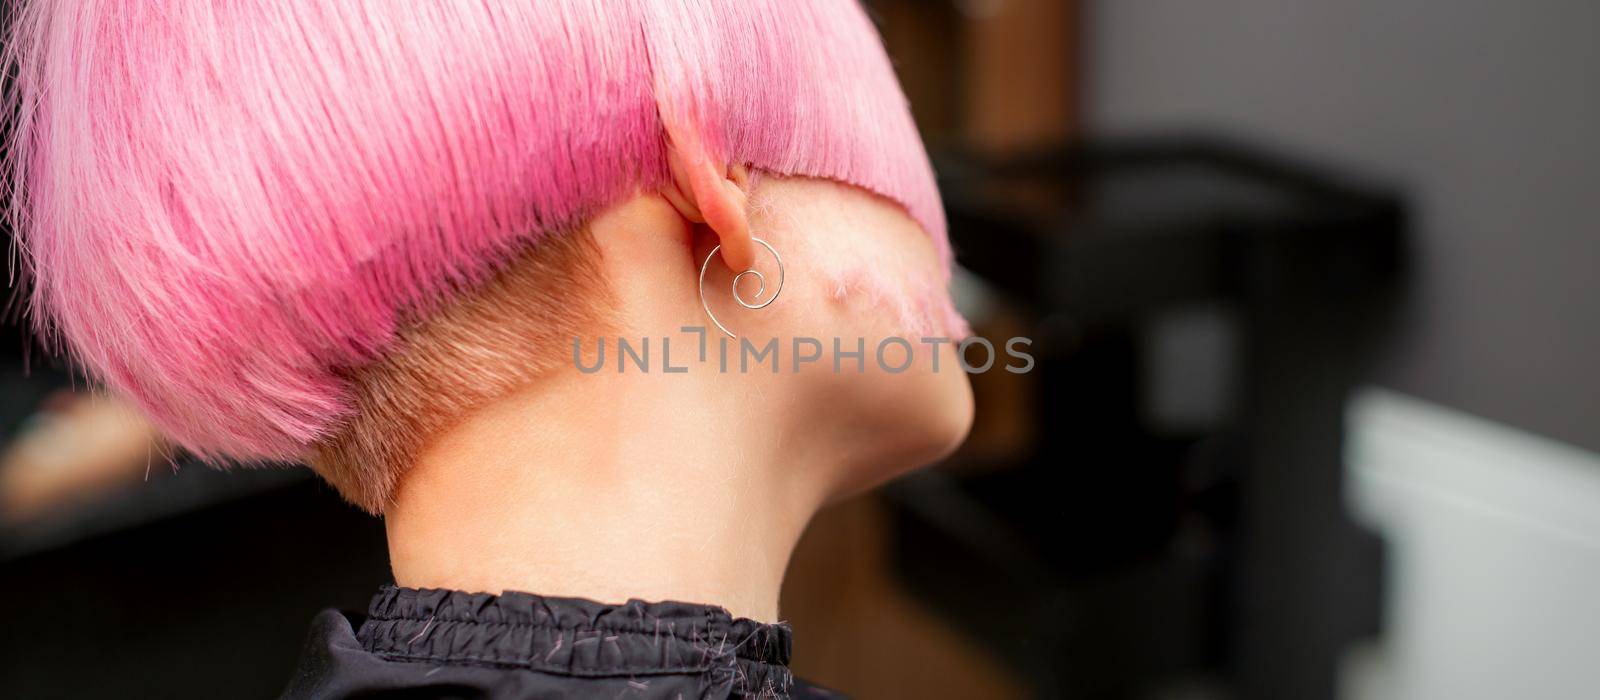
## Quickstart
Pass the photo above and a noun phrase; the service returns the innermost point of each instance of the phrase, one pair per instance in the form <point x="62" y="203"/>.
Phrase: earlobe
<point x="704" y="191"/>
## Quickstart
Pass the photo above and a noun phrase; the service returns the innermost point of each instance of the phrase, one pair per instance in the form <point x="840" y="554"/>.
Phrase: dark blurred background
<point x="1313" y="294"/>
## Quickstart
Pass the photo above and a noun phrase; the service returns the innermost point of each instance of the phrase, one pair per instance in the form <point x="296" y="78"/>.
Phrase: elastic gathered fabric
<point x="445" y="643"/>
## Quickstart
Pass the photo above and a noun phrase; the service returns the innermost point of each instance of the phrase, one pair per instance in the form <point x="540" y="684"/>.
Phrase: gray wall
<point x="1486" y="112"/>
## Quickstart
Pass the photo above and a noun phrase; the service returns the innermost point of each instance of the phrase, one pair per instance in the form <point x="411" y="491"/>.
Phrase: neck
<point x="614" y="486"/>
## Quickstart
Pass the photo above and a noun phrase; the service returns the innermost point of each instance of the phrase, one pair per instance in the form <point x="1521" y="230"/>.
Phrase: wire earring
<point x="762" y="279"/>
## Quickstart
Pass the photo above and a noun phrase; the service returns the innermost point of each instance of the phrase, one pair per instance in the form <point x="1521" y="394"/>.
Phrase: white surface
<point x="1493" y="587"/>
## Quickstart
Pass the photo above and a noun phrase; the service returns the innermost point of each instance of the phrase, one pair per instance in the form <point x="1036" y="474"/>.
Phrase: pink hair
<point x="223" y="204"/>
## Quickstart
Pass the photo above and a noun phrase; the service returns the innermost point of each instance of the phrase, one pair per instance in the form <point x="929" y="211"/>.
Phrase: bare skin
<point x="689" y="486"/>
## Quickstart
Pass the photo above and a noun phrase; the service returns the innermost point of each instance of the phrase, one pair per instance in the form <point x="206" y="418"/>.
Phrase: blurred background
<point x="1314" y="297"/>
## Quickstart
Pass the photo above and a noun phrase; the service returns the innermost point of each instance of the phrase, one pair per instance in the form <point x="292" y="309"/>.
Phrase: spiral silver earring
<point x="762" y="279"/>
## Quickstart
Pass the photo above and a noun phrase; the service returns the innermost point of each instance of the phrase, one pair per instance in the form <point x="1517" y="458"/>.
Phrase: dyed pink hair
<point x="224" y="204"/>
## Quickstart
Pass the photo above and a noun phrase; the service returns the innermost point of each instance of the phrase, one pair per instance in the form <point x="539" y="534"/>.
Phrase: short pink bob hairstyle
<point x="224" y="204"/>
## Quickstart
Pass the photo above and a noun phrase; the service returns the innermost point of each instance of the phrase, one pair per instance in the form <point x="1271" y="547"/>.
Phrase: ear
<point x="707" y="192"/>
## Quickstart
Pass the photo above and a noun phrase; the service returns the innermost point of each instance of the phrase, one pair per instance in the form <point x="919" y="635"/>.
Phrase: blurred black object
<point x="212" y="603"/>
<point x="1127" y="554"/>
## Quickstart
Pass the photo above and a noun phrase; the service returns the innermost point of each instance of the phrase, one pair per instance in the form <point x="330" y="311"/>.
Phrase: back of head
<point x="284" y="227"/>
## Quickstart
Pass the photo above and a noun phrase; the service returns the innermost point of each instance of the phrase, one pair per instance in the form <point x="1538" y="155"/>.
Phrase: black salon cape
<point x="449" y="644"/>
